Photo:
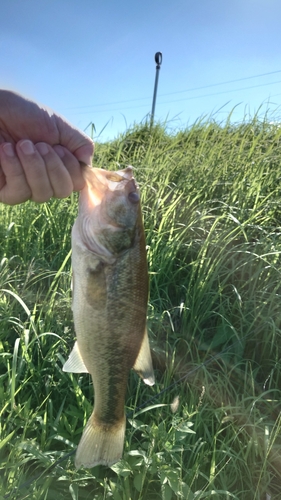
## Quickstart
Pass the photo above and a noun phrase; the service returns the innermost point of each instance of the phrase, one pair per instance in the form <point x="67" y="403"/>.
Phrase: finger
<point x="75" y="141"/>
<point x="72" y="165"/>
<point x="58" y="174"/>
<point x="13" y="184"/>
<point x="2" y="177"/>
<point x="35" y="171"/>
<point x="85" y="153"/>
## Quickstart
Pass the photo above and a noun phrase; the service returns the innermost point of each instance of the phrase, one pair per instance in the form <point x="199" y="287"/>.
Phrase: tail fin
<point x="100" y="444"/>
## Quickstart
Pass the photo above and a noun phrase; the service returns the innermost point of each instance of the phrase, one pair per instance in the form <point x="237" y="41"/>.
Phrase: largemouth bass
<point x="110" y="293"/>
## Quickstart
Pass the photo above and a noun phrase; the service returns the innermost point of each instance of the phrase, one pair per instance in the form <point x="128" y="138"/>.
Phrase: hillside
<point x="211" y="206"/>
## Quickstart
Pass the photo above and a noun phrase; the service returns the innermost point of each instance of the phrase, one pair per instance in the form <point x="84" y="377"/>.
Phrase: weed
<point x="211" y="206"/>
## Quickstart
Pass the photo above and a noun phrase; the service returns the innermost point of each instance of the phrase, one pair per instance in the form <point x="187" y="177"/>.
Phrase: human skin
<point x="41" y="154"/>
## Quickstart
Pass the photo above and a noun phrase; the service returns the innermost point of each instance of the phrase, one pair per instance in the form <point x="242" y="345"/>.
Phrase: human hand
<point x="40" y="152"/>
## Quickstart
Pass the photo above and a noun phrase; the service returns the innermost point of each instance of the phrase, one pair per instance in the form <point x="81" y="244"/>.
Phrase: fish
<point x="109" y="303"/>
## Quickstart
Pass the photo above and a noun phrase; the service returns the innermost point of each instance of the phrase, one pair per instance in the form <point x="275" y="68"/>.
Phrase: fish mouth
<point x="98" y="181"/>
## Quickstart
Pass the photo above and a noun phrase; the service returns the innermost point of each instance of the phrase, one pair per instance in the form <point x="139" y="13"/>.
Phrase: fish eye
<point x="134" y="197"/>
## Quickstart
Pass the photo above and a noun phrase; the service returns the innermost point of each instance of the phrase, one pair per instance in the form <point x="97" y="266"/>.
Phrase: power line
<point x="222" y="92"/>
<point x="178" y="91"/>
<point x="223" y="83"/>
<point x="179" y="100"/>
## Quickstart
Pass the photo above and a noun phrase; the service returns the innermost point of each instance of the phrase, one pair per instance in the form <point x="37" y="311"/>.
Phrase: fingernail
<point x="42" y="148"/>
<point x="59" y="150"/>
<point x="27" y="147"/>
<point x="8" y="149"/>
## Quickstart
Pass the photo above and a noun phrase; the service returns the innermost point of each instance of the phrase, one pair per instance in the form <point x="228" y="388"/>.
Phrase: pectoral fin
<point x="143" y="363"/>
<point x="75" y="363"/>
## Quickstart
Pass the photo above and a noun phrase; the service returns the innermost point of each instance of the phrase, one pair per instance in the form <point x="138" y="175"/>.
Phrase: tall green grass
<point x="211" y="205"/>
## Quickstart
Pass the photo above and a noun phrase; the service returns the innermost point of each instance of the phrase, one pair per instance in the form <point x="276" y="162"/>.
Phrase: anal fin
<point x="143" y="364"/>
<point x="75" y="363"/>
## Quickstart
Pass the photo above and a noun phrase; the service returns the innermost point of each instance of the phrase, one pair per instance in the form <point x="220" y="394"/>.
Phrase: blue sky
<point x="93" y="61"/>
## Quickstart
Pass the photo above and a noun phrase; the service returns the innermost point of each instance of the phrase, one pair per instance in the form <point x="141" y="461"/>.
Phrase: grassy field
<point x="212" y="211"/>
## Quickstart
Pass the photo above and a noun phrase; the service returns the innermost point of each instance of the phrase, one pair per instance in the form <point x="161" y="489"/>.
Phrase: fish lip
<point x="127" y="172"/>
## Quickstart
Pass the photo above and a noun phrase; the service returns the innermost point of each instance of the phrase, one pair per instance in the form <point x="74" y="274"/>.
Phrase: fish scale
<point x="109" y="305"/>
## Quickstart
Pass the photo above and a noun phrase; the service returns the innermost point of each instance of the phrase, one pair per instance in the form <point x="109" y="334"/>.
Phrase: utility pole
<point x="158" y="60"/>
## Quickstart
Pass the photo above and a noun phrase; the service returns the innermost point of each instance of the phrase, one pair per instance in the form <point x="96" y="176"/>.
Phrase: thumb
<point x="85" y="153"/>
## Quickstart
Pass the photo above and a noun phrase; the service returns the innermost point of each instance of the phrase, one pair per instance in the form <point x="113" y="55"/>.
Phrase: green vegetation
<point x="211" y="203"/>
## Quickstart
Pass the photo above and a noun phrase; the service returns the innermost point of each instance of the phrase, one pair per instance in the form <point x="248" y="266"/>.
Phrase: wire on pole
<point x="158" y="60"/>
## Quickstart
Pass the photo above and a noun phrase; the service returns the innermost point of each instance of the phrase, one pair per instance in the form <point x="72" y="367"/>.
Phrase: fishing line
<point x="130" y="414"/>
